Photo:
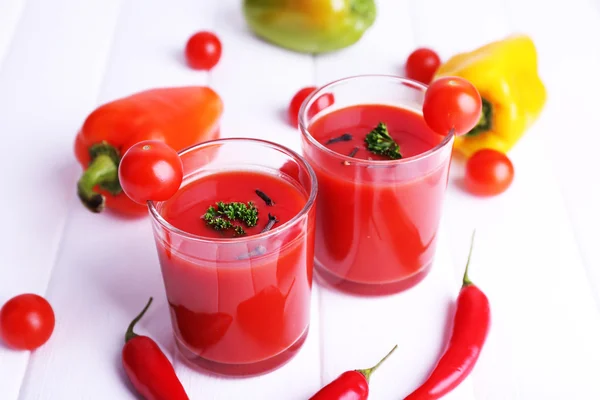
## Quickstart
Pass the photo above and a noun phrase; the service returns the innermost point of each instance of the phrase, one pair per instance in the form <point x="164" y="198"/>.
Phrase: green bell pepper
<point x="310" y="26"/>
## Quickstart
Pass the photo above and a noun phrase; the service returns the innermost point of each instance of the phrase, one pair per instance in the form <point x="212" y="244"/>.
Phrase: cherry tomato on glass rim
<point x="488" y="172"/>
<point x="321" y="103"/>
<point x="150" y="170"/>
<point x="26" y="321"/>
<point x="203" y="50"/>
<point x="421" y="65"/>
<point x="451" y="103"/>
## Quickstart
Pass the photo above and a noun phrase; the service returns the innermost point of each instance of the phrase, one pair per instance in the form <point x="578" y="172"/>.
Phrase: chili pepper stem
<point x="101" y="171"/>
<point x="466" y="280"/>
<point x="367" y="372"/>
<point x="130" y="334"/>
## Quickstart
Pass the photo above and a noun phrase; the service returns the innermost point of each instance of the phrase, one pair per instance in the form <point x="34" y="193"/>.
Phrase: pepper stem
<point x="367" y="372"/>
<point x="485" y="120"/>
<point x="466" y="280"/>
<point x="102" y="171"/>
<point x="130" y="334"/>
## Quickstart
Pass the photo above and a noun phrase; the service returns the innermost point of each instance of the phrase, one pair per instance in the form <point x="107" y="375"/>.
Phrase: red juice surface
<point x="187" y="206"/>
<point x="376" y="225"/>
<point x="242" y="301"/>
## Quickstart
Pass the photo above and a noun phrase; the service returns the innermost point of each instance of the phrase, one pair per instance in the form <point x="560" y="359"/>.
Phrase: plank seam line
<point x="314" y="66"/>
<point x="574" y="233"/>
<point x="321" y="337"/>
<point x="3" y="57"/>
<point x="11" y="35"/>
<point x="24" y="6"/>
<point x="59" y="247"/>
<point x="412" y="13"/>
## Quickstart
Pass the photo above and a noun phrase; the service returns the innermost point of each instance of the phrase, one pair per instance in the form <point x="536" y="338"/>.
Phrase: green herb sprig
<point x="379" y="141"/>
<point x="222" y="217"/>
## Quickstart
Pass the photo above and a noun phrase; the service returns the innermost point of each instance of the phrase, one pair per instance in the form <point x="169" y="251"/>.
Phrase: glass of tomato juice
<point x="239" y="296"/>
<point x="377" y="217"/>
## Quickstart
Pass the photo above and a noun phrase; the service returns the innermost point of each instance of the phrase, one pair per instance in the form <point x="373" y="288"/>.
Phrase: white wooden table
<point x="536" y="256"/>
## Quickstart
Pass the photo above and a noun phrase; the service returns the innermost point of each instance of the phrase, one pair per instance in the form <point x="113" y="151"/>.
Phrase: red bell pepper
<point x="179" y="116"/>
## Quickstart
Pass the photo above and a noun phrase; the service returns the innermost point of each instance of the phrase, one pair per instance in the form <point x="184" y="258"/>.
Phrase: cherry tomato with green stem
<point x="451" y="103"/>
<point x="203" y="50"/>
<point x="421" y="65"/>
<point x="321" y="103"/>
<point x="150" y="170"/>
<point x="26" y="321"/>
<point x="488" y="172"/>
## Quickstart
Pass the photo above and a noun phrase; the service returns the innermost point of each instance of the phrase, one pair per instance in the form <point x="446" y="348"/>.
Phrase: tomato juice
<point x="240" y="305"/>
<point x="377" y="218"/>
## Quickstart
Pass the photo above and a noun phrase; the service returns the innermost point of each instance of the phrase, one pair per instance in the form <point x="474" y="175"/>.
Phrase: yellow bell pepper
<point x="513" y="95"/>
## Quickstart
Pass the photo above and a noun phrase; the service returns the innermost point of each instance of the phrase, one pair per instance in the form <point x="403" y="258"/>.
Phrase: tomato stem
<point x="466" y="280"/>
<point x="130" y="334"/>
<point x="367" y="372"/>
<point x="102" y="171"/>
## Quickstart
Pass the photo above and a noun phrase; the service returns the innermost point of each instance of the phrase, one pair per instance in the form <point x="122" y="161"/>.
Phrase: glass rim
<point x="303" y="119"/>
<point x="221" y="141"/>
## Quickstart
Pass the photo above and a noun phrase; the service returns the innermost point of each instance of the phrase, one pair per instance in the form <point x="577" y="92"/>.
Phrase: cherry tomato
<point x="26" y="321"/>
<point x="488" y="172"/>
<point x="421" y="65"/>
<point x="150" y="170"/>
<point x="451" y="103"/>
<point x="203" y="50"/>
<point x="321" y="103"/>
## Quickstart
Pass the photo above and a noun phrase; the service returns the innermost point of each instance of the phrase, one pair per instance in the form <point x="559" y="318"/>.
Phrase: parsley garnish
<point x="380" y="142"/>
<point x="224" y="215"/>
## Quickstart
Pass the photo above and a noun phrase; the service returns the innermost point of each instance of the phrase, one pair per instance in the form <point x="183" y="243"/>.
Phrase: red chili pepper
<point x="351" y="385"/>
<point x="471" y="326"/>
<point x="147" y="367"/>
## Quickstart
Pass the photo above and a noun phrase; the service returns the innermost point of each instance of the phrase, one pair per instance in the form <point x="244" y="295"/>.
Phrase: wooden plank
<point x="122" y="277"/>
<point x="533" y="275"/>
<point x="359" y="330"/>
<point x="256" y="81"/>
<point x="10" y="14"/>
<point x="561" y="31"/>
<point x="148" y="50"/>
<point x="48" y="81"/>
<point x="145" y="53"/>
<point x="572" y="151"/>
<point x="456" y="26"/>
<point x="102" y="278"/>
<point x="555" y="209"/>
<point x="569" y="61"/>
<point x="524" y="233"/>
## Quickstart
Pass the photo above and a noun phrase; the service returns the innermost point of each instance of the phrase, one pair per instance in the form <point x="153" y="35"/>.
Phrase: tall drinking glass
<point x="239" y="302"/>
<point x="377" y="214"/>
